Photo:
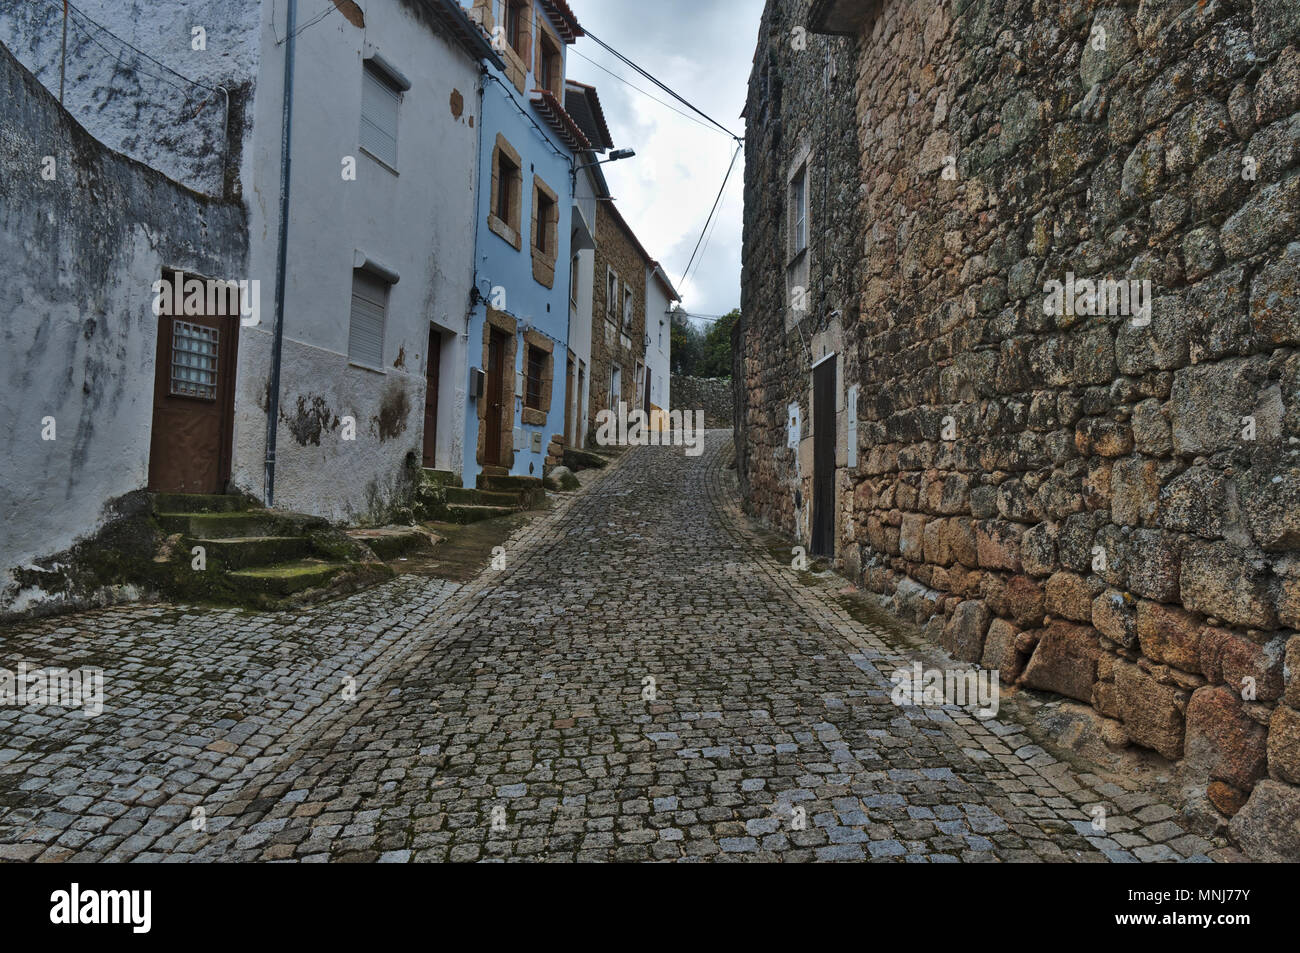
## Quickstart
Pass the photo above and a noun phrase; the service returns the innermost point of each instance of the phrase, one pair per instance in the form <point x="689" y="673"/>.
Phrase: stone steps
<point x="474" y="513"/>
<point x="287" y="579"/>
<point x="482" y="497"/>
<point x="250" y="551"/>
<point x="239" y="524"/>
<point x="442" y="478"/>
<point x="389" y="543"/>
<point x="263" y="557"/>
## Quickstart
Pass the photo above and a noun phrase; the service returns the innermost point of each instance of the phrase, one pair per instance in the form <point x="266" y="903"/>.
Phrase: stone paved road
<point x="506" y="718"/>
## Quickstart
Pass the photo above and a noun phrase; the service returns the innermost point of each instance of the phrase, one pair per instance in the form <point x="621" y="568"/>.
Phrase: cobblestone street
<point x="505" y="718"/>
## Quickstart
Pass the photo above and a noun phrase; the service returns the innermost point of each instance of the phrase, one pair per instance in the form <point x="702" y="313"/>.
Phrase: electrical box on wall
<point x="521" y="440"/>
<point x="477" y="383"/>
<point x="537" y="443"/>
<point x="793" y="431"/>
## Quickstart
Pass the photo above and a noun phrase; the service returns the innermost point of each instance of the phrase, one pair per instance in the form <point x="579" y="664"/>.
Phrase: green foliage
<point x="703" y="353"/>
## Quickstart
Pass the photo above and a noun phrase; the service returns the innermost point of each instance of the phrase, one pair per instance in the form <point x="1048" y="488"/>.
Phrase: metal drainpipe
<point x="281" y="267"/>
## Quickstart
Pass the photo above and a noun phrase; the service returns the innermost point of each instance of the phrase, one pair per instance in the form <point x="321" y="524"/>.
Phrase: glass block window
<point x="194" y="360"/>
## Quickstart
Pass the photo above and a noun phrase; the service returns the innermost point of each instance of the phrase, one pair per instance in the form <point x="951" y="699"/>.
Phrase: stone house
<point x="589" y="190"/>
<point x="1095" y="492"/>
<point x="618" y="316"/>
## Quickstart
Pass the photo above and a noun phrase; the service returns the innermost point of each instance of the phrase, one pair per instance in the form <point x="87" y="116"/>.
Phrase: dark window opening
<point x="536" y="368"/>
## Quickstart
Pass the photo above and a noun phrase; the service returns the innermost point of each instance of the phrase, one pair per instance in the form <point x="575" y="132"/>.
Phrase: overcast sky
<point x="702" y="49"/>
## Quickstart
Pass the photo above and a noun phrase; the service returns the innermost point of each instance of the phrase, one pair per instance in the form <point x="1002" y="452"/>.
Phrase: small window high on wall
<point x="381" y="98"/>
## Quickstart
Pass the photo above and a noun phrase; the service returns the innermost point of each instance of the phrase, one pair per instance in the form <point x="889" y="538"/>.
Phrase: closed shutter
<point x="366" y="336"/>
<point x="379" y="102"/>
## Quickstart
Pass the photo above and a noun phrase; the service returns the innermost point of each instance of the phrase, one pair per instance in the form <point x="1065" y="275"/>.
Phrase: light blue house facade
<point x="518" y="323"/>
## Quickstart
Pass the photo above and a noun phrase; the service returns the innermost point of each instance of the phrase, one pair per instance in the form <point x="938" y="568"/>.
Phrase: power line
<point x="103" y="29"/>
<point x="647" y="95"/>
<point x="709" y="221"/>
<point x="662" y="86"/>
<point x="709" y="237"/>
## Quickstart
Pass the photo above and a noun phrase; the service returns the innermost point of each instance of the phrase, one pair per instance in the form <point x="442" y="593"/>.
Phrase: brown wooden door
<point x="570" y="412"/>
<point x="432" y="375"/>
<point x="823" y="514"/>
<point x="495" y="398"/>
<point x="194" y="403"/>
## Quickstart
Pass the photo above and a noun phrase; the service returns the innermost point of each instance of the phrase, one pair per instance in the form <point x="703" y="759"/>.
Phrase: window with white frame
<point x="611" y="296"/>
<point x="369" y="312"/>
<point x="629" y="301"/>
<point x="381" y="96"/>
<point x="615" y="387"/>
<point x="799" y="209"/>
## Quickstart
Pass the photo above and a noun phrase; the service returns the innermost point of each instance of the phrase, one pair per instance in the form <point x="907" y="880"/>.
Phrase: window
<point x="380" y="99"/>
<point x="611" y="297"/>
<point x="516" y="24"/>
<point x="369" y="308"/>
<point x="536" y="370"/>
<point x="546" y="232"/>
<point x="507" y="172"/>
<point x="550" y="65"/>
<point x="573" y="281"/>
<point x="546" y="222"/>
<point x="506" y="202"/>
<point x="629" y="300"/>
<point x="194" y="360"/>
<point x="799" y="209"/>
<point x="615" y="387"/>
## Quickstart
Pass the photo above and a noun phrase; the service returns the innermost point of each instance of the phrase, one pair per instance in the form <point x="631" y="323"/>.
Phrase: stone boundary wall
<point x="710" y="394"/>
<point x="1096" y="505"/>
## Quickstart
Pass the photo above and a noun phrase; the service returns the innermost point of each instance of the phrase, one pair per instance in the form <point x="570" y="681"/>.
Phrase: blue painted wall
<point x="499" y="264"/>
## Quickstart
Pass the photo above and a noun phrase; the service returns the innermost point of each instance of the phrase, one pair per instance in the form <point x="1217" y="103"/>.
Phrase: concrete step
<point x="390" y="542"/>
<point x="442" y="478"/>
<point x="495" y="471"/>
<point x="469" y="513"/>
<point x="247" y="552"/>
<point x="239" y="525"/>
<point x="198" y="503"/>
<point x="286" y="579"/>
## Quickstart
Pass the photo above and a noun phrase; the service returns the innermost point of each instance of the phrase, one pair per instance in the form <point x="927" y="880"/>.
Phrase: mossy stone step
<point x="441" y="478"/>
<point x="196" y="503"/>
<point x="239" y="525"/>
<point x="468" y="513"/>
<point x="482" y="497"/>
<point x="247" y="552"/>
<point x="286" y="579"/>
<point x="508" y="483"/>
<point x="391" y="542"/>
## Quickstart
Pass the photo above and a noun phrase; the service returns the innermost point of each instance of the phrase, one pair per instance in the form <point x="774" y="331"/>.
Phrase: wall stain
<point x="311" y="419"/>
<point x="391" y="422"/>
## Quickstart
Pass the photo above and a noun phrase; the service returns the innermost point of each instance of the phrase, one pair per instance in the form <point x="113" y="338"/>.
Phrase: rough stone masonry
<point x="1096" y="502"/>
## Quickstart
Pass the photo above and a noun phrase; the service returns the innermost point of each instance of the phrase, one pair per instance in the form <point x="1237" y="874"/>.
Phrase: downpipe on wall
<point x="281" y="265"/>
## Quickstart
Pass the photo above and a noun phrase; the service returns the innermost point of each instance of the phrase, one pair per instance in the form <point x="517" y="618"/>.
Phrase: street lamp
<point x="614" y="156"/>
